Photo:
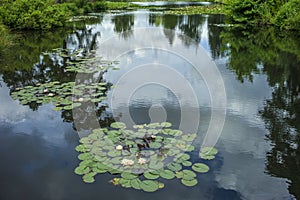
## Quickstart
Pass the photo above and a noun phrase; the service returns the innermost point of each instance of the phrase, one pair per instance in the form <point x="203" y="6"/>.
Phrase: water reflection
<point x="123" y="24"/>
<point x="262" y="61"/>
<point x="264" y="51"/>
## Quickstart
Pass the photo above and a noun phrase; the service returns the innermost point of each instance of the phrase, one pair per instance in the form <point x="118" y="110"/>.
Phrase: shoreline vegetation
<point x="49" y="14"/>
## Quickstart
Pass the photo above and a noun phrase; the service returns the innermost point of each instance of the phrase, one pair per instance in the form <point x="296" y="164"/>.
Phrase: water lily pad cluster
<point x="141" y="157"/>
<point x="65" y="96"/>
<point x="69" y="95"/>
<point x="82" y="62"/>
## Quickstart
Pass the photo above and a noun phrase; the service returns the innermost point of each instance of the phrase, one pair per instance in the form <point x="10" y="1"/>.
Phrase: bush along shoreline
<point x="49" y="14"/>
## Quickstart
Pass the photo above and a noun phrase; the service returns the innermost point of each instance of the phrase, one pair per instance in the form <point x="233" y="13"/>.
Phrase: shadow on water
<point x="248" y="55"/>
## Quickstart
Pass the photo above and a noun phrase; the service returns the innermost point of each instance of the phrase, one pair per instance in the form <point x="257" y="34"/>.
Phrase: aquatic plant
<point x="140" y="156"/>
<point x="193" y="10"/>
<point x="64" y="96"/>
<point x="68" y="95"/>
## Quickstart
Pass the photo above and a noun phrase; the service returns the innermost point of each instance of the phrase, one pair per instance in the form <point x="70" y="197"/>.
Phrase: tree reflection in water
<point x="264" y="51"/>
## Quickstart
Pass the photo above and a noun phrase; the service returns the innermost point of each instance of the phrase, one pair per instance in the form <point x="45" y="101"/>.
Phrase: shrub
<point x="288" y="15"/>
<point x="100" y="6"/>
<point x="34" y="14"/>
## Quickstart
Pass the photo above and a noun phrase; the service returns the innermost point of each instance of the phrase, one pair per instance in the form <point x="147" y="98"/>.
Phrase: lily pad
<point x="208" y="153"/>
<point x="166" y="124"/>
<point x="200" y="167"/>
<point x="174" y="167"/>
<point x="188" y="174"/>
<point x="80" y="170"/>
<point x="179" y="174"/>
<point x="135" y="183"/>
<point x="167" y="174"/>
<point x="129" y="176"/>
<point x="155" y="145"/>
<point x="156" y="165"/>
<point x="149" y="175"/>
<point x="81" y="148"/>
<point x="126" y="183"/>
<point x="149" y="186"/>
<point x="84" y="156"/>
<point x="89" y="178"/>
<point x="118" y="125"/>
<point x="189" y="183"/>
<point x="187" y="163"/>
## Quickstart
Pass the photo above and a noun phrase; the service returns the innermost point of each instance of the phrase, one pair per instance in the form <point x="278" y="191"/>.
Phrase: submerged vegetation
<point x="142" y="157"/>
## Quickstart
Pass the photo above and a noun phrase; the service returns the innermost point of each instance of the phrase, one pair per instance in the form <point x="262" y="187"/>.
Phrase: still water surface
<point x="259" y="146"/>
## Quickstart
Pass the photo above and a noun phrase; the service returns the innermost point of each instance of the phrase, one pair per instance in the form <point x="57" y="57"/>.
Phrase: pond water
<point x="259" y="155"/>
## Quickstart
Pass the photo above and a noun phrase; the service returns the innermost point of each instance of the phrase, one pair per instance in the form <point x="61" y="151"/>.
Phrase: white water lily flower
<point x="130" y="162"/>
<point x="142" y="161"/>
<point x="153" y="136"/>
<point x="50" y="94"/>
<point x="46" y="90"/>
<point x="119" y="147"/>
<point x="127" y="162"/>
<point x="80" y="99"/>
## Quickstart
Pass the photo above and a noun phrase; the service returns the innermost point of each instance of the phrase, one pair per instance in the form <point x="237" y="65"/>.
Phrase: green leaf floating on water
<point x="208" y="153"/>
<point x="128" y="176"/>
<point x="174" y="167"/>
<point x="167" y="174"/>
<point x="126" y="183"/>
<point x="189" y="183"/>
<point x="155" y="145"/>
<point x="119" y="125"/>
<point x="149" y="175"/>
<point x="166" y="124"/>
<point x="81" y="170"/>
<point x="200" y="167"/>
<point x="81" y="148"/>
<point x="136" y="183"/>
<point x="187" y="163"/>
<point x="84" y="156"/>
<point x="149" y="186"/>
<point x="153" y="125"/>
<point x="89" y="178"/>
<point x="188" y="174"/>
<point x="156" y="165"/>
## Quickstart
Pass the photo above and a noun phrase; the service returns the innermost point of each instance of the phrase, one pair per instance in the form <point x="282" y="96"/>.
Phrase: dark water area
<point x="259" y="153"/>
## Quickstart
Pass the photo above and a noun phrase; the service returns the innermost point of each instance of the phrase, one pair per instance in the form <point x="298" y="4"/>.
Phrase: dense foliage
<point x="289" y="15"/>
<point x="282" y="13"/>
<point x="33" y="14"/>
<point x="44" y="14"/>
